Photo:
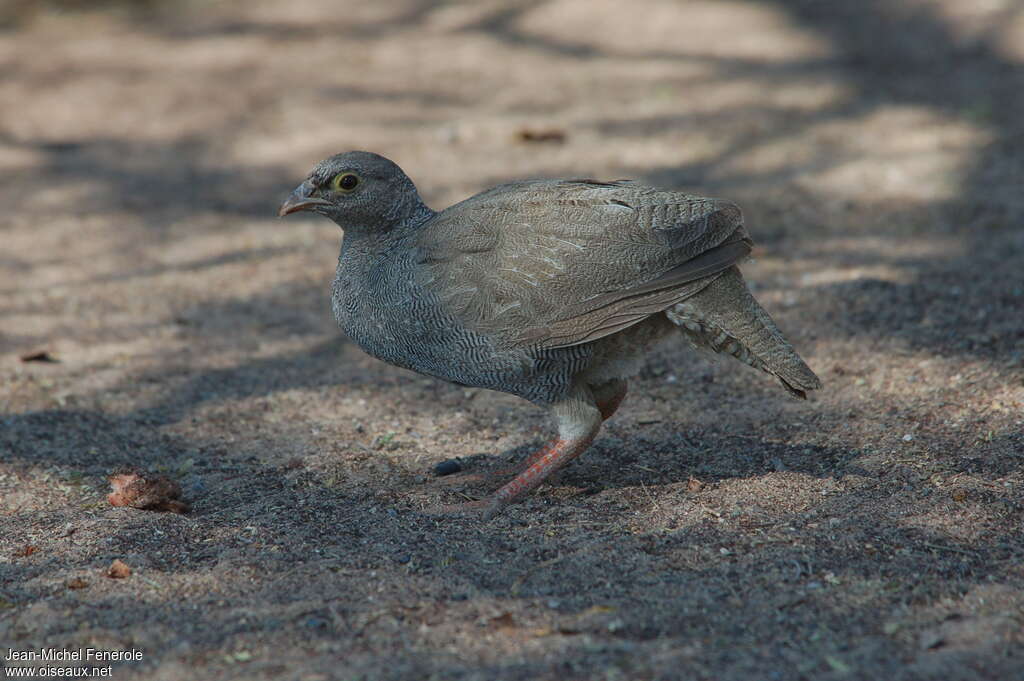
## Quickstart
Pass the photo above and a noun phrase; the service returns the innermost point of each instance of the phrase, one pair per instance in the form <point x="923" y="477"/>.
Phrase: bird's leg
<point x="579" y="420"/>
<point x="608" y="396"/>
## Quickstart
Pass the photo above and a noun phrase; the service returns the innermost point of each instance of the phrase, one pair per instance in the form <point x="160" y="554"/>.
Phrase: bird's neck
<point x="416" y="215"/>
<point x="395" y="220"/>
<point x="369" y="245"/>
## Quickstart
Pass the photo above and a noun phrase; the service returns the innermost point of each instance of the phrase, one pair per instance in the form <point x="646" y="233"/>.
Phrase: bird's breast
<point x="401" y="320"/>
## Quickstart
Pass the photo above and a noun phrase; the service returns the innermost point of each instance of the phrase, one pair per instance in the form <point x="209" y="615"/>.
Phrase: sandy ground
<point x="717" y="530"/>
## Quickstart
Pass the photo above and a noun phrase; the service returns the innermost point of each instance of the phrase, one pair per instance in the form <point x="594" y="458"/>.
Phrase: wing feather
<point x="559" y="263"/>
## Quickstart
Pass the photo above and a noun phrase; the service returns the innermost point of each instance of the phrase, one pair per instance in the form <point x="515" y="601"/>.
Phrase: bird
<point x="553" y="290"/>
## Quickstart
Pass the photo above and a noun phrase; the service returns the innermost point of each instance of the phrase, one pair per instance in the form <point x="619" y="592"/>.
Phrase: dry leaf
<point x="553" y="135"/>
<point x="77" y="583"/>
<point x="146" y="491"/>
<point x="694" y="485"/>
<point x="502" y="621"/>
<point x="118" y="570"/>
<point x="39" y="356"/>
<point x="26" y="551"/>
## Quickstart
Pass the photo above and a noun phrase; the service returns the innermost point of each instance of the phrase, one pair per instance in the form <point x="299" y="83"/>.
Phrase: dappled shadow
<point x="967" y="304"/>
<point x="175" y="19"/>
<point x="95" y="443"/>
<point x="503" y="24"/>
<point x="700" y="524"/>
<point x="146" y="271"/>
<point x="317" y="366"/>
<point x="334" y="24"/>
<point x="159" y="183"/>
<point x="981" y="292"/>
<point x="278" y="549"/>
<point x="279" y="552"/>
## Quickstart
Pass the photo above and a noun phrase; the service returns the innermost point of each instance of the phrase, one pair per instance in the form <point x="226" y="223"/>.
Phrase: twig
<point x="653" y="501"/>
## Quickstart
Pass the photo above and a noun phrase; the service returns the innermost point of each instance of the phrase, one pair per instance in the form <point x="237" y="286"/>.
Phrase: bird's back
<point x="560" y="263"/>
<point x="510" y="289"/>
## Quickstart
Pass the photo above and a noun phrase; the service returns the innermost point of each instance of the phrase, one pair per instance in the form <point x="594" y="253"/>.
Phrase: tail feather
<point x="725" y="317"/>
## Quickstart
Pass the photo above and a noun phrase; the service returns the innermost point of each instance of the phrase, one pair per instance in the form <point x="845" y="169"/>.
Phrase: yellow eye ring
<point x="344" y="182"/>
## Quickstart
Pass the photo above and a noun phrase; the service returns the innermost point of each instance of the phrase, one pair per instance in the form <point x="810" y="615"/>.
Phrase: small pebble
<point x="316" y="623"/>
<point x="447" y="467"/>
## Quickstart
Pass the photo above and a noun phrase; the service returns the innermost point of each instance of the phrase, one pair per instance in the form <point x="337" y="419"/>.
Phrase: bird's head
<point x="358" y="190"/>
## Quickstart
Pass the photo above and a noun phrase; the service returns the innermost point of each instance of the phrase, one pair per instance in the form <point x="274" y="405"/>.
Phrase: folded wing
<point x="558" y="263"/>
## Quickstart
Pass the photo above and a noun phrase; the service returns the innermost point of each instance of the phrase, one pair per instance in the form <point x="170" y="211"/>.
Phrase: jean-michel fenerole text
<point x="67" y="655"/>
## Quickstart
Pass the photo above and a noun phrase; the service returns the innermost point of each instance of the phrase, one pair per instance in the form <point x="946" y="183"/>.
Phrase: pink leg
<point x="609" y="397"/>
<point x="579" y="420"/>
<point x="544" y="463"/>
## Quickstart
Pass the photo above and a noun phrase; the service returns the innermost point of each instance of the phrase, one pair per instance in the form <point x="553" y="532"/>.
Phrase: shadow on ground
<point x="712" y="529"/>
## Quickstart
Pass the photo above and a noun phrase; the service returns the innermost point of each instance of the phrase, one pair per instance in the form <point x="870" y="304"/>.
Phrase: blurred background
<point x="872" y="144"/>
<point x="154" y="311"/>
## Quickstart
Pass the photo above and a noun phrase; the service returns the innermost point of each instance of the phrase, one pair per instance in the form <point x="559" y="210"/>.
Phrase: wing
<point x="558" y="263"/>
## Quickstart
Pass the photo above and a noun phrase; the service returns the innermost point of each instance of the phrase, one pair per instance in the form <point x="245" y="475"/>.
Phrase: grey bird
<point x="552" y="290"/>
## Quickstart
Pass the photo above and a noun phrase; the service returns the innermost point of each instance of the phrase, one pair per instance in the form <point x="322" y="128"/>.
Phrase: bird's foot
<point x="537" y="467"/>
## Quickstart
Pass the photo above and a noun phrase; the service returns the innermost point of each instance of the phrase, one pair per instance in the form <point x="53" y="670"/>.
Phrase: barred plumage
<point x="549" y="290"/>
<point x="725" y="318"/>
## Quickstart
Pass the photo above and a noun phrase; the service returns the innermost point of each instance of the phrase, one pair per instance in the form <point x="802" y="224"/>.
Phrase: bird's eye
<point x="345" y="182"/>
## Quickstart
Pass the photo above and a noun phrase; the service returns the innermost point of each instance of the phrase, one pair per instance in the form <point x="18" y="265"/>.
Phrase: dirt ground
<point x="717" y="530"/>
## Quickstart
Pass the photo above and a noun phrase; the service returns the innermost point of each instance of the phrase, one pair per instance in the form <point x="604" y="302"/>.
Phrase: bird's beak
<point x="301" y="199"/>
